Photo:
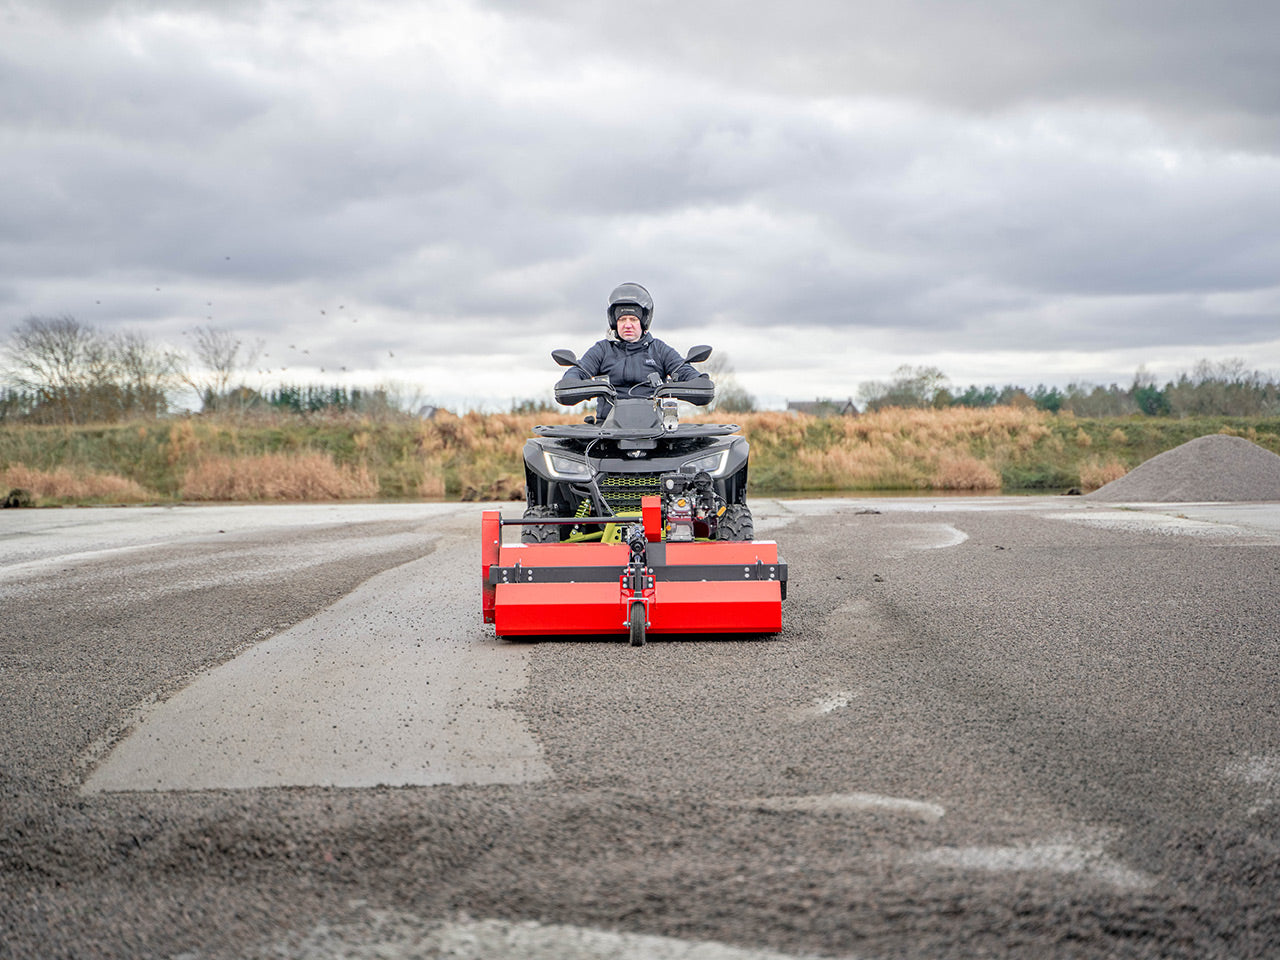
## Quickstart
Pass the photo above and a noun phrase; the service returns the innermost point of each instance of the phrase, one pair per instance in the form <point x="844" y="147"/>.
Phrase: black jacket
<point x="628" y="365"/>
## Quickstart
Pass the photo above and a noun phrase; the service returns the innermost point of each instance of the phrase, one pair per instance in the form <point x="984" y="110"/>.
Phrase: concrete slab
<point x="396" y="684"/>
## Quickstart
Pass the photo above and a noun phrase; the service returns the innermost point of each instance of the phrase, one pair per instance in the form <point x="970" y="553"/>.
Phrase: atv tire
<point x="735" y="523"/>
<point x="551" y="533"/>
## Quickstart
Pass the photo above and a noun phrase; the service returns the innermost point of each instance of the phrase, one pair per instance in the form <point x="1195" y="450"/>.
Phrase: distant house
<point x="823" y="408"/>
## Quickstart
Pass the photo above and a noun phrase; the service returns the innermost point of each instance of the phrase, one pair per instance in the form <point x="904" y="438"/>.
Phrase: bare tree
<point x="77" y="375"/>
<point x="146" y="373"/>
<point x="221" y="356"/>
<point x="55" y="358"/>
<point x="731" y="396"/>
<point x="910" y="387"/>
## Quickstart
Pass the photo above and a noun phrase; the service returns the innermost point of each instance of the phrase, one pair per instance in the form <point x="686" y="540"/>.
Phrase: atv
<point x="603" y="468"/>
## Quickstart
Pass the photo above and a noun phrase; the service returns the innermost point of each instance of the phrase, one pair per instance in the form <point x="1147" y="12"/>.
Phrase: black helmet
<point x="630" y="295"/>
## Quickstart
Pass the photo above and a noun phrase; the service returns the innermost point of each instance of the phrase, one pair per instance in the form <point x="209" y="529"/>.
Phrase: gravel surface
<point x="986" y="730"/>
<point x="1215" y="468"/>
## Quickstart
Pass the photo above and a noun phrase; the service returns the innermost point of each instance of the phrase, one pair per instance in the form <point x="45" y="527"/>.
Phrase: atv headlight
<point x="566" y="468"/>
<point x="713" y="463"/>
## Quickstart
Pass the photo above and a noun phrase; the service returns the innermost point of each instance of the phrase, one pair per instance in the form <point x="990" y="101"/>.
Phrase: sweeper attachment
<point x="637" y="586"/>
<point x="635" y="525"/>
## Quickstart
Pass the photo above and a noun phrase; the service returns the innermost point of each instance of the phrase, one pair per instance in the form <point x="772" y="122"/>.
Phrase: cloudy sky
<point x="436" y="194"/>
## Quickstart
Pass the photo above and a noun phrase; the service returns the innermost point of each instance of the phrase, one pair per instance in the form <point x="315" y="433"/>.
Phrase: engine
<point x="688" y="500"/>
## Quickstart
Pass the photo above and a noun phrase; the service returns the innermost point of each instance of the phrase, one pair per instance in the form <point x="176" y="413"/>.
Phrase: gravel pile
<point x="1212" y="468"/>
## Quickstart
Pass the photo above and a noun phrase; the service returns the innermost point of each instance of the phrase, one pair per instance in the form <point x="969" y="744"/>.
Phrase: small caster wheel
<point x="637" y="624"/>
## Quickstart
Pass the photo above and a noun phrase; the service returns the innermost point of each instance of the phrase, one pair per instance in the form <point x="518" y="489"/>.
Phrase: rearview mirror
<point x="566" y="358"/>
<point x="697" y="354"/>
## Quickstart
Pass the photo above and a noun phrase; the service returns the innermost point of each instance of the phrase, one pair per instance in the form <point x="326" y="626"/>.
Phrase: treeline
<point x="57" y="370"/>
<point x="321" y="399"/>
<point x="1226" y="389"/>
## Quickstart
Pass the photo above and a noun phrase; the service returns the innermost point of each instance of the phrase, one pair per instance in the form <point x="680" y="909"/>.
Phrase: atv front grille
<point x="622" y="491"/>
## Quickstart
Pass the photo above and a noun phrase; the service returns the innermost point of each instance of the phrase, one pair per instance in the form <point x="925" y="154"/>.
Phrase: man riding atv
<point x="634" y="522"/>
<point x="630" y="354"/>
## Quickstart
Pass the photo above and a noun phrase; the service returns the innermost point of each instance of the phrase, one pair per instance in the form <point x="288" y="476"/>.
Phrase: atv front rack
<point x="638" y="587"/>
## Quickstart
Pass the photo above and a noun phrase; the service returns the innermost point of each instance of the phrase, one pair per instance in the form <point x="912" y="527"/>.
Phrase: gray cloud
<point x="1211" y="63"/>
<point x="905" y="179"/>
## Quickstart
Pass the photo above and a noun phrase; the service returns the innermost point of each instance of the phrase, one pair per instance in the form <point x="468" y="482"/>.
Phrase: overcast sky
<point x="438" y="193"/>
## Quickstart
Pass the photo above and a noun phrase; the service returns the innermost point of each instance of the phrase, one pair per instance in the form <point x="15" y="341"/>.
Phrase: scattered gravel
<point x="1212" y="468"/>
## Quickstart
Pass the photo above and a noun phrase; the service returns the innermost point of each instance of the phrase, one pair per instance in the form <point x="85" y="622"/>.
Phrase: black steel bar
<point x="522" y="574"/>
<point x="561" y="521"/>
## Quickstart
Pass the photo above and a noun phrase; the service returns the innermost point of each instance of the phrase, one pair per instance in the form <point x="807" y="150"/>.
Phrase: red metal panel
<point x="565" y="555"/>
<point x="651" y="512"/>
<point x="596" y="609"/>
<point x="490" y="545"/>
<point x="559" y="609"/>
<point x="723" y="551"/>
<point x="754" y="606"/>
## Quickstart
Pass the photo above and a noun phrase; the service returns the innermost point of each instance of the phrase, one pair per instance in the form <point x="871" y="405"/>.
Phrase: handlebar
<point x="699" y="391"/>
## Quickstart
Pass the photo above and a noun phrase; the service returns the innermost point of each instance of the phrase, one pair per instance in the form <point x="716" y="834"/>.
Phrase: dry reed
<point x="277" y="476"/>
<point x="61" y="484"/>
<point x="963" y="472"/>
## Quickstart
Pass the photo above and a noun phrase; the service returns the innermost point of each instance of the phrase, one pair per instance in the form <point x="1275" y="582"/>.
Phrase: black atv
<point x="598" y="470"/>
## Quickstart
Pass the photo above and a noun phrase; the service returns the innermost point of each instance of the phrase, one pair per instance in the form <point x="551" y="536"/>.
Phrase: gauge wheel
<point x="637" y="624"/>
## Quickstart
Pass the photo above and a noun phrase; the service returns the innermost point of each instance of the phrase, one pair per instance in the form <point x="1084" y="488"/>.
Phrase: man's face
<point x="629" y="328"/>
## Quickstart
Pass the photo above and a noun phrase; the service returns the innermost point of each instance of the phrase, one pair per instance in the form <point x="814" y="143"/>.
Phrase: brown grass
<point x="963" y="472"/>
<point x="433" y="484"/>
<point x="277" y="476"/>
<point x="1095" y="473"/>
<point x="63" y="485"/>
<point x="893" y="449"/>
<point x="478" y="457"/>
